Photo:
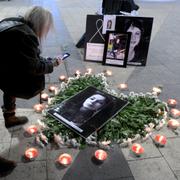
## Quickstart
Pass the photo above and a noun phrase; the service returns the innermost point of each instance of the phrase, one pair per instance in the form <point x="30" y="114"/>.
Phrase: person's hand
<point x="57" y="61"/>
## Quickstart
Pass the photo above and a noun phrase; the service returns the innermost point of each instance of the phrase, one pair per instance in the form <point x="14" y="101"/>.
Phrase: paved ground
<point x="162" y="69"/>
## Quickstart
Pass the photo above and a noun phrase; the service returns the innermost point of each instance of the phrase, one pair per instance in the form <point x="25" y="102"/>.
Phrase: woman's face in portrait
<point x="135" y="36"/>
<point x="94" y="102"/>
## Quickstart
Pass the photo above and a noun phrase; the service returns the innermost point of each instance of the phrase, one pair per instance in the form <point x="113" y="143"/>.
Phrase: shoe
<point x="11" y="121"/>
<point x="6" y="166"/>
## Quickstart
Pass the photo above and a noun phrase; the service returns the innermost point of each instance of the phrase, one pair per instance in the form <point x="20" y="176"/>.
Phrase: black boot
<point x="6" y="166"/>
<point x="12" y="120"/>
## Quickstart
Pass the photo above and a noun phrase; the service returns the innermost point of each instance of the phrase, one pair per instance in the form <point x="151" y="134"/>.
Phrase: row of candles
<point x="100" y="155"/>
<point x="65" y="159"/>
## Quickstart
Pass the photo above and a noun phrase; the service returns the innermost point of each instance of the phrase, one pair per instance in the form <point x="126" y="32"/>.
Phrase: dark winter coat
<point x="22" y="69"/>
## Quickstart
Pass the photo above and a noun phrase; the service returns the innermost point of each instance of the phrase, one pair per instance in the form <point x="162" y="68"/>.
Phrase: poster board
<point x="87" y="111"/>
<point x="95" y="37"/>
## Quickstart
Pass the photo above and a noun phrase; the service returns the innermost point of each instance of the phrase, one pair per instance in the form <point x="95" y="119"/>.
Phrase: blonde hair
<point x="41" y="20"/>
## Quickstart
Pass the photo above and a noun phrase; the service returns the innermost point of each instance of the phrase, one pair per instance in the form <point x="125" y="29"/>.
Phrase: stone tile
<point x="19" y="146"/>
<point x="29" y="171"/>
<point x="55" y="171"/>
<point x="4" y="149"/>
<point x="5" y="134"/>
<point x="150" y="151"/>
<point x="149" y="169"/>
<point x="171" y="153"/>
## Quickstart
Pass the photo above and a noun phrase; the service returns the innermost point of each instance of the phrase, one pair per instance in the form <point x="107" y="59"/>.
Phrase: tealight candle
<point x="52" y="88"/>
<point x="77" y="73"/>
<point x="89" y="71"/>
<point x="100" y="155"/>
<point x="123" y="86"/>
<point x="108" y="73"/>
<point x="44" y="96"/>
<point x="175" y="113"/>
<point x="156" y="90"/>
<point x="137" y="149"/>
<point x="32" y="129"/>
<point x="160" y="140"/>
<point x="172" y="103"/>
<point x="62" y="78"/>
<point x="31" y="153"/>
<point x="38" y="108"/>
<point x="65" y="159"/>
<point x="173" y="124"/>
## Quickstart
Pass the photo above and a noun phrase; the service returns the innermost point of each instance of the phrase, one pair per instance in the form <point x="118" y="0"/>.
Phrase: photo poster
<point x="96" y="27"/>
<point x="87" y="111"/>
<point x="94" y="39"/>
<point x="116" y="48"/>
<point x="140" y="29"/>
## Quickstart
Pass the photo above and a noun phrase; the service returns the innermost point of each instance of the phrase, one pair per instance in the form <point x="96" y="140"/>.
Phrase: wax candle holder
<point x="64" y="159"/>
<point x="52" y="88"/>
<point x="31" y="154"/>
<point x="100" y="155"/>
<point x="77" y="73"/>
<point x="123" y="86"/>
<point x="172" y="103"/>
<point x="44" y="96"/>
<point x="175" y="113"/>
<point x="173" y="124"/>
<point x="38" y="108"/>
<point x="62" y="78"/>
<point x="107" y="73"/>
<point x="160" y="140"/>
<point x="137" y="149"/>
<point x="32" y="130"/>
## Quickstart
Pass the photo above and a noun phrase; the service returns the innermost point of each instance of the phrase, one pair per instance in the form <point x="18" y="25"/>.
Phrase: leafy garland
<point x="132" y="120"/>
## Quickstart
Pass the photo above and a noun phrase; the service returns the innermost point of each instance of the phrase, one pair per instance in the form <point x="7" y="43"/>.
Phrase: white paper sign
<point x="94" y="51"/>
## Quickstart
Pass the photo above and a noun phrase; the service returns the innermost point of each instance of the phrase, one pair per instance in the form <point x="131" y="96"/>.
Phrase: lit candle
<point x="38" y="108"/>
<point x="32" y="129"/>
<point x="89" y="71"/>
<point x="100" y="155"/>
<point x="137" y="149"/>
<point x="173" y="124"/>
<point x="175" y="113"/>
<point x="160" y="140"/>
<point x="108" y="73"/>
<point x="172" y="103"/>
<point x="77" y="73"/>
<point x="65" y="159"/>
<point x="44" y="96"/>
<point x="156" y="90"/>
<point x="31" y="153"/>
<point x="62" y="78"/>
<point x="52" y="88"/>
<point x="123" y="86"/>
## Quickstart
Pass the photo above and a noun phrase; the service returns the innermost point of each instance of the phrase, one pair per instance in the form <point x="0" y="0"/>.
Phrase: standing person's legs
<point x="9" y="111"/>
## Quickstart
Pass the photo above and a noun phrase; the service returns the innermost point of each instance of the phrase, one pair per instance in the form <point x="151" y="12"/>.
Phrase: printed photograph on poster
<point x="109" y="23"/>
<point x="116" y="48"/>
<point x="87" y="111"/>
<point x="140" y="29"/>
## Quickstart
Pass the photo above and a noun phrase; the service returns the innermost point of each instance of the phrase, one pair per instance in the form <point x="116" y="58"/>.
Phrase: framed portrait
<point x="116" y="48"/>
<point x="140" y="29"/>
<point x="87" y="111"/>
